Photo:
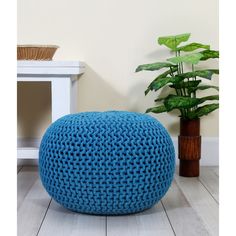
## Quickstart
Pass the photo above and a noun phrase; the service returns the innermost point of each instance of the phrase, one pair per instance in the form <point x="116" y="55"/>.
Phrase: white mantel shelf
<point x="63" y="77"/>
<point x="46" y="68"/>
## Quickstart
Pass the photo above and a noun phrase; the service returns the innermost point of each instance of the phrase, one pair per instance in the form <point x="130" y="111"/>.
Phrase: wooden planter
<point x="189" y="142"/>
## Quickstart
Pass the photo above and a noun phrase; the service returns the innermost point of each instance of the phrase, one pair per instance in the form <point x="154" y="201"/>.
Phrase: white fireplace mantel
<point x="63" y="77"/>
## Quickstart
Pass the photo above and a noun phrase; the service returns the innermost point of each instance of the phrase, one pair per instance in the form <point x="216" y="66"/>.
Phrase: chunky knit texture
<point x="107" y="163"/>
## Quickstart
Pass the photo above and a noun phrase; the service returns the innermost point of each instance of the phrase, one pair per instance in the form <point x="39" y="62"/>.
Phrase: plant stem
<point x="180" y="64"/>
<point x="172" y="74"/>
<point x="193" y="71"/>
<point x="194" y="92"/>
<point x="184" y="92"/>
<point x="178" y="91"/>
<point x="181" y="110"/>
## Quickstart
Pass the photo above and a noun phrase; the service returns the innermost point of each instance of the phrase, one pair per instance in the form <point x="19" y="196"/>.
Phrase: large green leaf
<point x="207" y="54"/>
<point x="154" y="66"/>
<point x="192" y="46"/>
<point x="163" y="75"/>
<point x="192" y="58"/>
<point x="207" y="98"/>
<point x="173" y="41"/>
<point x="164" y="81"/>
<point x="187" y="84"/>
<point x="203" y="110"/>
<point x="158" y="109"/>
<point x="207" y="74"/>
<point x="147" y="91"/>
<point x="203" y="87"/>
<point x="179" y="102"/>
<point x="160" y="99"/>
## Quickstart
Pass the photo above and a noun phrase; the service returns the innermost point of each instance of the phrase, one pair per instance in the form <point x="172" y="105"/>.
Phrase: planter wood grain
<point x="189" y="142"/>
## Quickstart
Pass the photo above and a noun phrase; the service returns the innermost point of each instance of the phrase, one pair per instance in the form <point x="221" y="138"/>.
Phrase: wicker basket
<point x="36" y="52"/>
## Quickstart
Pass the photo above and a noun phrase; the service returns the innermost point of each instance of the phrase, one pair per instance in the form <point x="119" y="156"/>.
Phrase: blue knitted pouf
<point x="106" y="163"/>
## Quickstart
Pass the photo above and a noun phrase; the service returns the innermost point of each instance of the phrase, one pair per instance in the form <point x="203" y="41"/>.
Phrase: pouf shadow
<point x="106" y="163"/>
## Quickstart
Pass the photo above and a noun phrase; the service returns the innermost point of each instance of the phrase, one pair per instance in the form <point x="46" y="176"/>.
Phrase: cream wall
<point x="112" y="37"/>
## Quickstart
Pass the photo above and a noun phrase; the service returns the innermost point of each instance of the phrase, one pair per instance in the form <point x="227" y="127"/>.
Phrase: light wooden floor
<point x="189" y="208"/>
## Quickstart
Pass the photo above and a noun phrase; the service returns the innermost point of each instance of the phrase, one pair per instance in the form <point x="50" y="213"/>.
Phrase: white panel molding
<point x="28" y="149"/>
<point x="47" y="68"/>
<point x="209" y="152"/>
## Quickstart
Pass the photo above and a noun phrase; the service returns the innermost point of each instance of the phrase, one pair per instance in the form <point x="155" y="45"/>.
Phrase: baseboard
<point x="27" y="162"/>
<point x="210" y="151"/>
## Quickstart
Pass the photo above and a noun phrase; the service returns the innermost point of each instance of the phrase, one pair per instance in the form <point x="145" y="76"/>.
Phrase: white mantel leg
<point x="73" y="95"/>
<point x="63" y="91"/>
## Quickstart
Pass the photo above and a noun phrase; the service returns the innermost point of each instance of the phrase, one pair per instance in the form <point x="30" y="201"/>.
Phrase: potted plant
<point x="185" y="80"/>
